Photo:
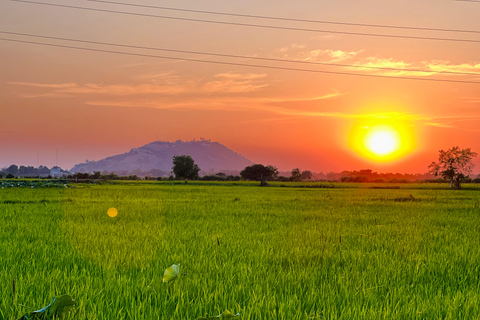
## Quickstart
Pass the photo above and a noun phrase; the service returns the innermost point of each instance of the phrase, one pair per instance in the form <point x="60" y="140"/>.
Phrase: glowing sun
<point x="382" y="140"/>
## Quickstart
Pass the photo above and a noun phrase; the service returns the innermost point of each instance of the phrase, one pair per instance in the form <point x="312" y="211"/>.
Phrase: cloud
<point x="241" y="76"/>
<point x="65" y="89"/>
<point x="236" y="83"/>
<point x="439" y="125"/>
<point x="45" y="85"/>
<point x="297" y="52"/>
<point x="471" y="100"/>
<point x="200" y="101"/>
<point x="334" y="94"/>
<point x="375" y="65"/>
<point x="381" y="66"/>
<point x="330" y="55"/>
<point x="166" y="77"/>
<point x="439" y="66"/>
<point x="425" y="68"/>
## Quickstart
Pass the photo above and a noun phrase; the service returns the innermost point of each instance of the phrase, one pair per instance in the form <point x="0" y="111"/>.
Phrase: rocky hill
<point x="156" y="157"/>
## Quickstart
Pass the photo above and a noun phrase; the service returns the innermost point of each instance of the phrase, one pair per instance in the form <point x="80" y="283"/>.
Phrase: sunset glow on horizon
<point x="327" y="86"/>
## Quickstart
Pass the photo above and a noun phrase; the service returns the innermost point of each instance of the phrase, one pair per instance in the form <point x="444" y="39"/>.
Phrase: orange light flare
<point x="382" y="140"/>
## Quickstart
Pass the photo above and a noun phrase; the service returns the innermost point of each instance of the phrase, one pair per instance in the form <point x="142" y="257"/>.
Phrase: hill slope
<point x="158" y="155"/>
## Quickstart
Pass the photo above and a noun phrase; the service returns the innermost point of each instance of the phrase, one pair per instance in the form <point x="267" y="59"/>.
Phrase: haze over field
<point x="97" y="100"/>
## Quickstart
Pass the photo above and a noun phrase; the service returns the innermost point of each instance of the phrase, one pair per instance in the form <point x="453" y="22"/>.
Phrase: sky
<point x="69" y="101"/>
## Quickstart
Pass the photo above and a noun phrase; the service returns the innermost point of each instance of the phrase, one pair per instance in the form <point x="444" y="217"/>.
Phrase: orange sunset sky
<point x="87" y="103"/>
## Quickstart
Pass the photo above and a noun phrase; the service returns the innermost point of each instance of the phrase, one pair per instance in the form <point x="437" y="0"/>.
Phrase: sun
<point x="382" y="140"/>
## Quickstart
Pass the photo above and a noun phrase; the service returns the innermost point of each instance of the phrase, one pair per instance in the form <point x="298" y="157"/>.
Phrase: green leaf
<point x="171" y="273"/>
<point x="59" y="307"/>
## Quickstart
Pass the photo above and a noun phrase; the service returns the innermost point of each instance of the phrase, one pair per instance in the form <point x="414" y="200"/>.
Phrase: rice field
<point x="342" y="251"/>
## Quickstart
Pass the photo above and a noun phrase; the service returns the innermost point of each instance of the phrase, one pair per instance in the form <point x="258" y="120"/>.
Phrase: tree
<point x="185" y="168"/>
<point x="13" y="169"/>
<point x="272" y="172"/>
<point x="306" y="175"/>
<point x="296" y="175"/>
<point x="454" y="164"/>
<point x="258" y="172"/>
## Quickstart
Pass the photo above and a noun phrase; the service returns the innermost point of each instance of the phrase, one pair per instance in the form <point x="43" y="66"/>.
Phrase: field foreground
<point x="266" y="253"/>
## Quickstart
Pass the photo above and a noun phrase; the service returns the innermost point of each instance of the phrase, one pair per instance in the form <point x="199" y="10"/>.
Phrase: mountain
<point x="157" y="157"/>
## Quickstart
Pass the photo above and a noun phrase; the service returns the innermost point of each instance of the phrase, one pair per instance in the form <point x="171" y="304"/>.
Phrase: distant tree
<point x="10" y="176"/>
<point x="306" y="175"/>
<point x="454" y="164"/>
<point x="1" y="176"/>
<point x="184" y="167"/>
<point x="95" y="175"/>
<point x="296" y="175"/>
<point x="258" y="172"/>
<point x="43" y="170"/>
<point x="272" y="172"/>
<point x="13" y="169"/>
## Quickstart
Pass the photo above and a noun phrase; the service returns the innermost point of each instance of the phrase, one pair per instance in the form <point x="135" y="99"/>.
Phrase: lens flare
<point x="112" y="212"/>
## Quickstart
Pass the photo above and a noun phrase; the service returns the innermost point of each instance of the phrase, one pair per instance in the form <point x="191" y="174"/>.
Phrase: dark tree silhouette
<point x="13" y="169"/>
<point x="454" y="164"/>
<point x="184" y="167"/>
<point x="306" y="175"/>
<point x="259" y="172"/>
<point x="296" y="175"/>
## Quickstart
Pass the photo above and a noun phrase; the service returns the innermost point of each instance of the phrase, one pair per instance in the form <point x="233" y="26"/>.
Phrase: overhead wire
<point x="250" y="24"/>
<point x="285" y="18"/>
<point x="239" y="56"/>
<point x="237" y="64"/>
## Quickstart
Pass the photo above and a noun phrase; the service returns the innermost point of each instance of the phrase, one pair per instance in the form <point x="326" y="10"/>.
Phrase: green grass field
<point x="347" y="252"/>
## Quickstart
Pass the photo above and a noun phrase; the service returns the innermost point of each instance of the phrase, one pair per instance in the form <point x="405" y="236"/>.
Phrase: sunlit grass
<point x="267" y="253"/>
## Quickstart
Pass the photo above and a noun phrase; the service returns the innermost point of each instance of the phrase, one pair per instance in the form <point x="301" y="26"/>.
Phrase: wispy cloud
<point x="382" y="66"/>
<point x="472" y="100"/>
<point x="357" y="60"/>
<point x="330" y="55"/>
<point x="65" y="89"/>
<point x="164" y="77"/>
<point x="202" y="101"/>
<point x="301" y="53"/>
<point x="236" y="83"/>
<point x="160" y="83"/>
<point x="425" y="68"/>
<point x="46" y="85"/>
<point x="437" y="65"/>
<point x="437" y="124"/>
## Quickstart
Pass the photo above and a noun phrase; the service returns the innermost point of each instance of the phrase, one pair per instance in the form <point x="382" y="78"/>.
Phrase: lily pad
<point x="58" y="308"/>
<point x="171" y="273"/>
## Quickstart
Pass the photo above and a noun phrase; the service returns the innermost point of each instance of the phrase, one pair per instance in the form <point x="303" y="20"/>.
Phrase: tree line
<point x="28" y="171"/>
<point x="454" y="165"/>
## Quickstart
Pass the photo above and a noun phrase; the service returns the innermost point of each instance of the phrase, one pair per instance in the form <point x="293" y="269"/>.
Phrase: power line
<point x="238" y="56"/>
<point x="235" y="63"/>
<point x="288" y="19"/>
<point x="251" y="25"/>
